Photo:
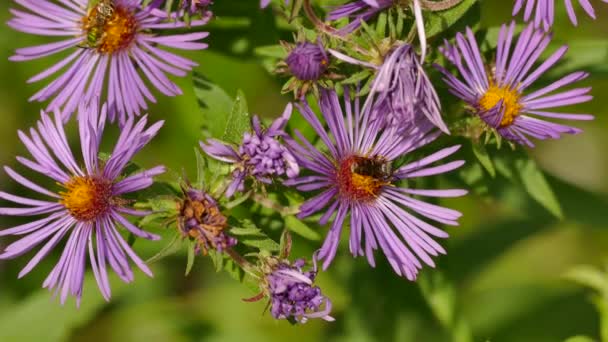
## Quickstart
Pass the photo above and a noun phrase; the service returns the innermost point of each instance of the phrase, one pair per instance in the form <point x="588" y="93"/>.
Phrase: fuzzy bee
<point x="376" y="167"/>
<point x="97" y="18"/>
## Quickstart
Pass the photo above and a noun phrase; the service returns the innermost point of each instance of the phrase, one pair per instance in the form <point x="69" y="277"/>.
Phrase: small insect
<point x="95" y="21"/>
<point x="376" y="167"/>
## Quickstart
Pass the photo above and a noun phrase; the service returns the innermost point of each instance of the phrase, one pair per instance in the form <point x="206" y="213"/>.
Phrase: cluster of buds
<point x="200" y="219"/>
<point x="308" y="64"/>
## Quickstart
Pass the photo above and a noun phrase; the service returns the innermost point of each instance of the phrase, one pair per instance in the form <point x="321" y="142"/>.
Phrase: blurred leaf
<point x="274" y="51"/>
<point x="238" y="122"/>
<point x="191" y="256"/>
<point x="301" y="228"/>
<point x="537" y="186"/>
<point x="589" y="276"/>
<point x="40" y="317"/>
<point x="580" y="339"/>
<point x="215" y="105"/>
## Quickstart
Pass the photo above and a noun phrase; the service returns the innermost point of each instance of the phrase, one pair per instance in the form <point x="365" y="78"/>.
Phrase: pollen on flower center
<point x="510" y="102"/>
<point x="87" y="197"/>
<point x="108" y="27"/>
<point x="362" y="178"/>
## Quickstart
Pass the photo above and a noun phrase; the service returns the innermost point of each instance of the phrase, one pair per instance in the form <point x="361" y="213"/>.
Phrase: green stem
<point x="268" y="203"/>
<point x="437" y="6"/>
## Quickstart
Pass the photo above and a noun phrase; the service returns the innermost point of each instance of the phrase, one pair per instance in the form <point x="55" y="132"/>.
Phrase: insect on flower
<point x="96" y="19"/>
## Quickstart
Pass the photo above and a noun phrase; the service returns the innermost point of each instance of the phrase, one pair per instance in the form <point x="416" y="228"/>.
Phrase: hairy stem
<point x="268" y="203"/>
<point x="241" y="261"/>
<point x="319" y="24"/>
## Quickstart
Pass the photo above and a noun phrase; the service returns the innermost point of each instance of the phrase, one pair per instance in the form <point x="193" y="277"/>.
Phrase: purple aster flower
<point x="293" y="295"/>
<point x="260" y="155"/>
<point x="357" y="177"/>
<point x="544" y="10"/>
<point x="403" y="90"/>
<point x="113" y="41"/>
<point x="88" y="209"/>
<point x="307" y="61"/>
<point x="500" y="97"/>
<point x="201" y="219"/>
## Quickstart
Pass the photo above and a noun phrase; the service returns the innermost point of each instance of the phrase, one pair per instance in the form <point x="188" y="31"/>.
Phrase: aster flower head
<point x="260" y="156"/>
<point x="292" y="293"/>
<point x="358" y="177"/>
<point x="88" y="207"/>
<point x="499" y="93"/>
<point x="201" y="219"/>
<point x="113" y="47"/>
<point x="544" y="11"/>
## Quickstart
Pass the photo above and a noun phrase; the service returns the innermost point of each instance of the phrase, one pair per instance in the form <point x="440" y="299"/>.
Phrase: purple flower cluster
<point x="293" y="295"/>
<point x="260" y="156"/>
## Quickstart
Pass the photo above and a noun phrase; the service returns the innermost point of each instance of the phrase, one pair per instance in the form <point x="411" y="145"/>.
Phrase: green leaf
<point x="215" y="105"/>
<point x="580" y="338"/>
<point x="297" y="226"/>
<point x="191" y="256"/>
<point x="484" y="159"/>
<point x="238" y="122"/>
<point x="438" y="22"/>
<point x="589" y="276"/>
<point x="536" y="185"/>
<point x="250" y="235"/>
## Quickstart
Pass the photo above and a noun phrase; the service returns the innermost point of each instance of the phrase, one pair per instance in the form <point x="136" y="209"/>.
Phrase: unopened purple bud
<point x="307" y="61"/>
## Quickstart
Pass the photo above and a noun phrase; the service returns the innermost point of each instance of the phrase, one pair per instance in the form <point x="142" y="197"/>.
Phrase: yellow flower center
<point x="510" y="103"/>
<point x="362" y="178"/>
<point x="87" y="197"/>
<point x="109" y="28"/>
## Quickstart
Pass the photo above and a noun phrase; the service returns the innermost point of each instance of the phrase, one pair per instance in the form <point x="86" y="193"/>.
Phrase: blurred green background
<point x="502" y="280"/>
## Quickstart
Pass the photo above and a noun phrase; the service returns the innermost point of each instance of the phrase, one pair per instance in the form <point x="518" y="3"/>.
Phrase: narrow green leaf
<point x="273" y="51"/>
<point x="266" y="244"/>
<point x="176" y="243"/>
<point x="589" y="276"/>
<point x="298" y="227"/>
<point x="238" y="122"/>
<point x="484" y="159"/>
<point x="580" y="339"/>
<point x="536" y="185"/>
<point x="191" y="256"/>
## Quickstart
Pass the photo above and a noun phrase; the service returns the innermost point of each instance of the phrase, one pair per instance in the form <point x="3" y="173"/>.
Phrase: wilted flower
<point x="500" y="96"/>
<point x="201" y="219"/>
<point x="402" y="93"/>
<point x="357" y="178"/>
<point x="88" y="209"/>
<point x="544" y="11"/>
<point x="112" y="40"/>
<point x="291" y="292"/>
<point x="260" y="155"/>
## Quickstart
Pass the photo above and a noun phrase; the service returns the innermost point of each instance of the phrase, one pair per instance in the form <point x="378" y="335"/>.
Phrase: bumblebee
<point x="95" y="21"/>
<point x="377" y="167"/>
